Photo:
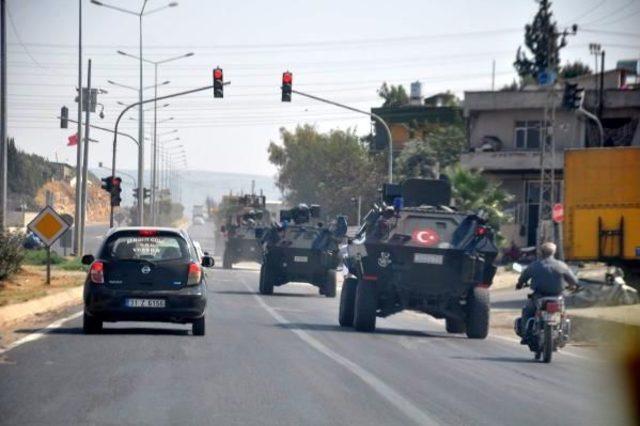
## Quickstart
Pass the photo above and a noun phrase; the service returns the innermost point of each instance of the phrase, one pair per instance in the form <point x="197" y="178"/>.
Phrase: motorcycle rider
<point x="547" y="277"/>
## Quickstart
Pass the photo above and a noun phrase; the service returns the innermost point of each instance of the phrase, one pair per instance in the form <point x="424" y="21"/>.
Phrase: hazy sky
<point x="339" y="49"/>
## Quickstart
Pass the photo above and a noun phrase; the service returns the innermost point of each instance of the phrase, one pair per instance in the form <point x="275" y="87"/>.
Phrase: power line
<point x="15" y="32"/>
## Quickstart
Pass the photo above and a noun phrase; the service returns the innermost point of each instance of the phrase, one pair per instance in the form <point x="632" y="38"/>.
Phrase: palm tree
<point x="473" y="192"/>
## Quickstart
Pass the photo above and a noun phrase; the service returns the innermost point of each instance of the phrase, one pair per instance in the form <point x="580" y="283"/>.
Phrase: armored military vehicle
<point x="247" y="215"/>
<point x="301" y="248"/>
<point x="414" y="251"/>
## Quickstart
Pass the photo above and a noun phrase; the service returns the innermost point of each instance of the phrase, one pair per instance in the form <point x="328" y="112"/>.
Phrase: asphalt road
<point x="283" y="360"/>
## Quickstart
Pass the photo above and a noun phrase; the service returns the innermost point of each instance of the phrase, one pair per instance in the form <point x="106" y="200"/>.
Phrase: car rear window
<point x="146" y="247"/>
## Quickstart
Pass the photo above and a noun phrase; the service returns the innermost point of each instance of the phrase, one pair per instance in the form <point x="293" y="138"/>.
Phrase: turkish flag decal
<point x="426" y="237"/>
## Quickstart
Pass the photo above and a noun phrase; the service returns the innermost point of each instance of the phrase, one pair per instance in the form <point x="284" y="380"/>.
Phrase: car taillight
<point x="195" y="274"/>
<point x="481" y="231"/>
<point x="147" y="233"/>
<point x="96" y="272"/>
<point x="552" y="307"/>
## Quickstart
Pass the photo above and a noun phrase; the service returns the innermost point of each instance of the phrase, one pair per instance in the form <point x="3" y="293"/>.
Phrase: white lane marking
<point x="40" y="333"/>
<point x="386" y="391"/>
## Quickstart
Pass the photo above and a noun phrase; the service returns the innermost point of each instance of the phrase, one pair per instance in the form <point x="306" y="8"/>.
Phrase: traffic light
<point x="572" y="97"/>
<point x="107" y="184"/>
<point x="115" y="192"/>
<point x="287" y="83"/>
<point x="64" y="117"/>
<point x="218" y="83"/>
<point x="146" y="193"/>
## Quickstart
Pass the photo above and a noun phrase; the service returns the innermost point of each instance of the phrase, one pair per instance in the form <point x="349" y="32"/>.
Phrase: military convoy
<point x="416" y="252"/>
<point x="244" y="216"/>
<point x="303" y="249"/>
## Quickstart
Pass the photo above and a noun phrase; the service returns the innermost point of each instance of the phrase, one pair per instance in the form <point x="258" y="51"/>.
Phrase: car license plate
<point x="300" y="259"/>
<point x="431" y="259"/>
<point x="145" y="303"/>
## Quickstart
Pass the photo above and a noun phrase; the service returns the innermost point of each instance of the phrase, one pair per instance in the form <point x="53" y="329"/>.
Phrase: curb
<point x="21" y="311"/>
<point x="589" y="328"/>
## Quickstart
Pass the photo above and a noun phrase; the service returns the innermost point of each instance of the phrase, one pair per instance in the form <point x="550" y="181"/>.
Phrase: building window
<point x="528" y="134"/>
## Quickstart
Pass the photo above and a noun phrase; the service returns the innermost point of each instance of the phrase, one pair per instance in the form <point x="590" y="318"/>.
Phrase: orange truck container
<point x="602" y="206"/>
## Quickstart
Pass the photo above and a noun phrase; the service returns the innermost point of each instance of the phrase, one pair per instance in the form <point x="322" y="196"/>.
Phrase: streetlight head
<point x="164" y="83"/>
<point x="173" y="4"/>
<point x="111" y="82"/>
<point x="120" y="52"/>
<point x="189" y="54"/>
<point x="97" y="3"/>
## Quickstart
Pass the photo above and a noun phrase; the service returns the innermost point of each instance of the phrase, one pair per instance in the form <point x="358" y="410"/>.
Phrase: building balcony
<point x="508" y="161"/>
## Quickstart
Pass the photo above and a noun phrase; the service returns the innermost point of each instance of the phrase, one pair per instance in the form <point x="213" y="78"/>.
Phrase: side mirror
<point x="223" y="229"/>
<point x="207" y="261"/>
<point x="259" y="232"/>
<point x="88" y="259"/>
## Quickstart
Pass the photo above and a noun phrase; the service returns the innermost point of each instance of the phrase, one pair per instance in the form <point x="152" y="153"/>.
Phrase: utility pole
<point x="601" y="90"/>
<point x="154" y="153"/>
<point x="493" y="75"/>
<point x="85" y="165"/>
<point x="3" y="117"/>
<point x="78" y="210"/>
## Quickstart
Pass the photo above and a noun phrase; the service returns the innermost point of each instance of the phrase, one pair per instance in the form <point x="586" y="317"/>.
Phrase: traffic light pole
<point x="370" y="114"/>
<point x="115" y="136"/>
<point x="597" y="121"/>
<point x="85" y="164"/>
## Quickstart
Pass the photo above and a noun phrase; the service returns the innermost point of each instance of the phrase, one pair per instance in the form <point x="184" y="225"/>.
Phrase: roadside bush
<point x="39" y="257"/>
<point x="11" y="253"/>
<point x="74" y="264"/>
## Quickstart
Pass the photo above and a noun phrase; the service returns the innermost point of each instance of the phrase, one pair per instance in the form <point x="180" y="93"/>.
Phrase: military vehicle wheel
<point x="364" y="318"/>
<point x="347" y="302"/>
<point x="478" y="313"/>
<point x="329" y="287"/>
<point x="454" y="325"/>
<point x="266" y="281"/>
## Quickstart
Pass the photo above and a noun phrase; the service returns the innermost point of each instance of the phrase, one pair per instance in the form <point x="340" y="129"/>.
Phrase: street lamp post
<point x="140" y="101"/>
<point x="154" y="155"/>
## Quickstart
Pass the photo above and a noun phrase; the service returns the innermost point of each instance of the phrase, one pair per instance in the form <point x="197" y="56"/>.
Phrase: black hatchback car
<point x="145" y="274"/>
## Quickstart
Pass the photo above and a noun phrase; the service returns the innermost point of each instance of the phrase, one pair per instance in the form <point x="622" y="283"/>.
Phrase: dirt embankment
<point x="64" y="199"/>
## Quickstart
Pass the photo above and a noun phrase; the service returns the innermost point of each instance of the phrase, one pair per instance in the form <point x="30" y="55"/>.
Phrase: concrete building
<point x="504" y="136"/>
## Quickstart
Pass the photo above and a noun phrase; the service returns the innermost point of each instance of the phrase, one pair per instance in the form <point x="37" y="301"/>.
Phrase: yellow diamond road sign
<point x="48" y="225"/>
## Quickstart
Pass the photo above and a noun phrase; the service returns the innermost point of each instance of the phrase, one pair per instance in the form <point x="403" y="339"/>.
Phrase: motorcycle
<point x="548" y="330"/>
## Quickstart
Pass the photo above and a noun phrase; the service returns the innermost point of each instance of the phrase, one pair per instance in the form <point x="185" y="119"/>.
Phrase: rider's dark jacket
<point x="547" y="277"/>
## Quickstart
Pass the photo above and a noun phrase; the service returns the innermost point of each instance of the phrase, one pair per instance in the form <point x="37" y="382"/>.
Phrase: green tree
<point x="417" y="159"/>
<point x="440" y="146"/>
<point x="574" y="69"/>
<point x="393" y="96"/>
<point x="544" y="42"/>
<point x="472" y="191"/>
<point x="325" y="168"/>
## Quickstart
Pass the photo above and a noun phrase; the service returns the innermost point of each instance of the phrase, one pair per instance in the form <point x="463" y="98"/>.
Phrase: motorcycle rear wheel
<point x="547" y="346"/>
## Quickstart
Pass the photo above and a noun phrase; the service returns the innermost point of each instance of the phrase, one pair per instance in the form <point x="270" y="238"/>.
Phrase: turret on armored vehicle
<point x="414" y="251"/>
<point x="301" y="248"/>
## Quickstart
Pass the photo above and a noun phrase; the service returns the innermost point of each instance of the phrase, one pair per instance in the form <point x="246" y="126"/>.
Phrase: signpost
<point x="48" y="225"/>
<point x="557" y="213"/>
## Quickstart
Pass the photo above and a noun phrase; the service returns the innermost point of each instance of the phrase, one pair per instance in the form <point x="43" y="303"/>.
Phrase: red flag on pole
<point x="73" y="140"/>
